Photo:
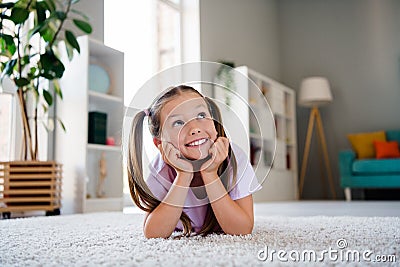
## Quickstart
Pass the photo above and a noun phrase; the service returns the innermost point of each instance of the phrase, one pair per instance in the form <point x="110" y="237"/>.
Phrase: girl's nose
<point x="194" y="127"/>
<point x="195" y="131"/>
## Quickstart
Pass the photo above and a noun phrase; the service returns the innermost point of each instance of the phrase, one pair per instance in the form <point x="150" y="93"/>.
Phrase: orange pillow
<point x="363" y="143"/>
<point x="386" y="149"/>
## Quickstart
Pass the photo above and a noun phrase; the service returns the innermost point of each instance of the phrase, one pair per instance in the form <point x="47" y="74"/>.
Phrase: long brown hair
<point x="140" y="192"/>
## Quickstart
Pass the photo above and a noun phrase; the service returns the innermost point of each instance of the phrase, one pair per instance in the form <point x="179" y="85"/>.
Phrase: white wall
<point x="245" y="32"/>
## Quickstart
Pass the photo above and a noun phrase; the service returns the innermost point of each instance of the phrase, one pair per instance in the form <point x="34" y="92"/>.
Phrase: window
<point x="168" y="34"/>
<point x="148" y="32"/>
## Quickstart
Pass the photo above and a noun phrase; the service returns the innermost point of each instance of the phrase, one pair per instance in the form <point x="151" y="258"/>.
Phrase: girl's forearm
<point x="231" y="217"/>
<point x="162" y="221"/>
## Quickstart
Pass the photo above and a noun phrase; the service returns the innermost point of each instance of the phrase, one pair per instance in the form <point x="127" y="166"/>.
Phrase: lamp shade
<point x="314" y="91"/>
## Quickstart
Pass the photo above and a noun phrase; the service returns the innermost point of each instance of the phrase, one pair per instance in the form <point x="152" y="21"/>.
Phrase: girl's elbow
<point x="246" y="230"/>
<point x="153" y="235"/>
<point x="249" y="230"/>
<point x="149" y="233"/>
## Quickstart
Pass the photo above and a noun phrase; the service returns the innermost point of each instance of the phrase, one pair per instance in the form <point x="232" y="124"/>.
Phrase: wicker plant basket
<point x="30" y="185"/>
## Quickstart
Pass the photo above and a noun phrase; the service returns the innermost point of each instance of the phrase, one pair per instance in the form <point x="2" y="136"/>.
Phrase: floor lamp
<point x="315" y="92"/>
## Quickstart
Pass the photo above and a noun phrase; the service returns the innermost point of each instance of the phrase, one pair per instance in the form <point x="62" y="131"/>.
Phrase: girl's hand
<point x="218" y="152"/>
<point x="172" y="156"/>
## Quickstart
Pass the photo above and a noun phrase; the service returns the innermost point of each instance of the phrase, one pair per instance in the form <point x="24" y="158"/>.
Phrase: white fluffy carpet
<point x="116" y="239"/>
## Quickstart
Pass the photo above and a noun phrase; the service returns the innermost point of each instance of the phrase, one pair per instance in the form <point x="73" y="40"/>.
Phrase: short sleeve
<point x="158" y="190"/>
<point x="160" y="178"/>
<point x="246" y="180"/>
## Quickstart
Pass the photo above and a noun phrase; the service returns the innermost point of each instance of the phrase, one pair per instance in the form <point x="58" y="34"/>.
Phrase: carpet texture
<point x="116" y="239"/>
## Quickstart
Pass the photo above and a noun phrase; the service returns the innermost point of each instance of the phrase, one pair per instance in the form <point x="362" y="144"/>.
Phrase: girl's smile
<point x="197" y="143"/>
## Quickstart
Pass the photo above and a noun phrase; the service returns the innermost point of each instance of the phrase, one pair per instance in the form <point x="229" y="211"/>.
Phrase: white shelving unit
<point x="253" y="89"/>
<point x="282" y="181"/>
<point x="80" y="158"/>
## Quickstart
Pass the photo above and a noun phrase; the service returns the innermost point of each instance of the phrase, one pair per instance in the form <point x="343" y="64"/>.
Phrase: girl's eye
<point x="178" y="123"/>
<point x="201" y="115"/>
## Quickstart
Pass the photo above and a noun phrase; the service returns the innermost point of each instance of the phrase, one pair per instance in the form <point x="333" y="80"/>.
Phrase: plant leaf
<point x="25" y="60"/>
<point x="51" y="6"/>
<point x="21" y="82"/>
<point x="75" y="1"/>
<point x="7" y="45"/>
<point x="12" y="49"/>
<point x="70" y="51"/>
<point x="83" y="15"/>
<point x="8" y="38"/>
<point x="70" y="37"/>
<point x="83" y="25"/>
<point x="47" y="33"/>
<point x="58" y="67"/>
<point x="52" y="67"/>
<point x="22" y="3"/>
<point x="3" y="45"/>
<point x="41" y="12"/>
<point x="6" y="5"/>
<point x="57" y="88"/>
<point x="45" y="108"/>
<point x="62" y="125"/>
<point x="48" y="97"/>
<point x="8" y="69"/>
<point x="19" y="15"/>
<point x="32" y="73"/>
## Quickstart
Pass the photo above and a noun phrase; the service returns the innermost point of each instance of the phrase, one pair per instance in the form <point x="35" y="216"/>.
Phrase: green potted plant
<point x="30" y="31"/>
<point x="225" y="76"/>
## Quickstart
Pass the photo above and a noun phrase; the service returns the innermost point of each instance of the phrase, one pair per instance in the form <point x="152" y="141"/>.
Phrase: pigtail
<point x="139" y="190"/>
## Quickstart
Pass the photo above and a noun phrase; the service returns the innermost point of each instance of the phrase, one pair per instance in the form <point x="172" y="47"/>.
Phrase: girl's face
<point x="186" y="123"/>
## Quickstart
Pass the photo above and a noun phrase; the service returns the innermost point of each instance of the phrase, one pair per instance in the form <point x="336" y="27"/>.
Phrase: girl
<point x="195" y="183"/>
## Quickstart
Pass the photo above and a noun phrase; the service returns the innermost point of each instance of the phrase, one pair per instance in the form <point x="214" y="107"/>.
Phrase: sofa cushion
<point x="376" y="166"/>
<point x="363" y="143"/>
<point x="387" y="149"/>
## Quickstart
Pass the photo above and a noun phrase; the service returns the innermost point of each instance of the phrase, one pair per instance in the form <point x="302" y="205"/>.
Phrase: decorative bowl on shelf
<point x="99" y="80"/>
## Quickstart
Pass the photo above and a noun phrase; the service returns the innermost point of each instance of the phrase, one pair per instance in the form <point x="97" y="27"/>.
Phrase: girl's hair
<point x="140" y="192"/>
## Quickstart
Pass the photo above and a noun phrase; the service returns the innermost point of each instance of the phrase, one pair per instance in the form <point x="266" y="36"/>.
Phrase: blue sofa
<point x="369" y="173"/>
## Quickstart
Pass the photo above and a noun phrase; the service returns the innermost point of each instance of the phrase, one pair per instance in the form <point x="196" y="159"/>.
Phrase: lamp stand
<point x="315" y="115"/>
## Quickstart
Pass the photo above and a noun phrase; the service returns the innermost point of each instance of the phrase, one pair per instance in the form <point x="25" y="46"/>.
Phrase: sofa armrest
<point x="346" y="159"/>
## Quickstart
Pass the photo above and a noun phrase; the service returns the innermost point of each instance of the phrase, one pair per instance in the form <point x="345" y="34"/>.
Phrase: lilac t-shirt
<point x="162" y="176"/>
